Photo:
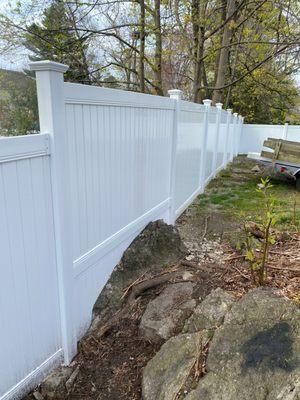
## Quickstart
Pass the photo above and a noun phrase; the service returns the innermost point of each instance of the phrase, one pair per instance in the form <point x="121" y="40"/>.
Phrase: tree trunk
<point x="233" y="69"/>
<point x="219" y="40"/>
<point x="158" y="49"/>
<point x="205" y="83"/>
<point x="142" y="47"/>
<point x="224" y="52"/>
<point x="83" y="67"/>
<point x="198" y="16"/>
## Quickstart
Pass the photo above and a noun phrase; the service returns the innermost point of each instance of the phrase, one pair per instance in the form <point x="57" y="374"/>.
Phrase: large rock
<point x="157" y="246"/>
<point x="210" y="313"/>
<point x="165" y="315"/>
<point x="54" y="385"/>
<point x="255" y="354"/>
<point x="166" y="374"/>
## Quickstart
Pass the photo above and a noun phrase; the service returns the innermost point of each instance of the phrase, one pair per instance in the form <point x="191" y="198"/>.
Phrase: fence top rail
<point x="265" y="126"/>
<point x="192" y="107"/>
<point x="21" y="147"/>
<point x="85" y="94"/>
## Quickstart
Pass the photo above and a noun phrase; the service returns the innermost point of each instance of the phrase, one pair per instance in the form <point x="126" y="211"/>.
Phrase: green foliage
<point x="257" y="252"/>
<point x="18" y="107"/>
<point x="267" y="93"/>
<point x="210" y="334"/>
<point x="54" y="38"/>
<point x="101" y="42"/>
<point x="266" y="96"/>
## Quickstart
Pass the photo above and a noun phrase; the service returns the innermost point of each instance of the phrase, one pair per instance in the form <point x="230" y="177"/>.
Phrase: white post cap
<point x="47" y="65"/>
<point x="229" y="110"/>
<point x="219" y="106"/>
<point x="235" y="114"/>
<point x="175" y="94"/>
<point x="207" y="102"/>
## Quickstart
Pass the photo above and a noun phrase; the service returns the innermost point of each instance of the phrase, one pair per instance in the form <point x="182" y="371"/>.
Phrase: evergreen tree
<point x="56" y="39"/>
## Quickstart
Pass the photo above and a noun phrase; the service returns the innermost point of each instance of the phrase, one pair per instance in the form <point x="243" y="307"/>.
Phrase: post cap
<point x="219" y="106"/>
<point x="47" y="65"/>
<point x="235" y="114"/>
<point x="229" y="110"/>
<point x="175" y="94"/>
<point x="207" y="102"/>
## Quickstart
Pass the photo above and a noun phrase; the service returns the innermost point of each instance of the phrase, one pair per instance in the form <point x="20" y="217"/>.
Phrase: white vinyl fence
<point x="253" y="136"/>
<point x="74" y="197"/>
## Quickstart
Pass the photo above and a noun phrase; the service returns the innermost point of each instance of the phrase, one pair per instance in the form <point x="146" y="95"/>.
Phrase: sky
<point x="18" y="58"/>
<point x="14" y="61"/>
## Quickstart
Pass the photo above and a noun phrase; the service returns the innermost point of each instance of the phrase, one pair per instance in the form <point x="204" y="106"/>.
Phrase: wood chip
<point x="38" y="395"/>
<point x="70" y="382"/>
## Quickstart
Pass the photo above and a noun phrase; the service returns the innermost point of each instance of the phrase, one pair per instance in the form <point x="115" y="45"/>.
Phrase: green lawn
<point x="233" y="195"/>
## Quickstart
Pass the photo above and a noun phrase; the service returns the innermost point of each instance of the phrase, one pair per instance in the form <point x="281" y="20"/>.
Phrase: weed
<point x="258" y="259"/>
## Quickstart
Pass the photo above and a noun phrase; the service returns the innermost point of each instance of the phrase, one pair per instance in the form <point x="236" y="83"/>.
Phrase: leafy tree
<point x="265" y="96"/>
<point x="18" y="105"/>
<point x="242" y="53"/>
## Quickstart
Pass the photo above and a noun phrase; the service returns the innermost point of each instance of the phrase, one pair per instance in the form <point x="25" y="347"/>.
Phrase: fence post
<point x="235" y="133"/>
<point x="176" y="95"/>
<point x="240" y="119"/>
<point x="50" y="92"/>
<point x="226" y="151"/>
<point x="285" y="131"/>
<point x="218" y="121"/>
<point x="207" y="104"/>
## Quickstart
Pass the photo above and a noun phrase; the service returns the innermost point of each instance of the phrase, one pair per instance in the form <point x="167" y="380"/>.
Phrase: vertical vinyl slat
<point x="46" y="293"/>
<point x="73" y="165"/>
<point x="32" y="281"/>
<point x="81" y="189"/>
<point x="95" y="178"/>
<point x="18" y="267"/>
<point x="9" y="334"/>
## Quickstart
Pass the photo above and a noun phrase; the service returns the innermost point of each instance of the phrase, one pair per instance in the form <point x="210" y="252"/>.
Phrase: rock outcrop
<point x="210" y="313"/>
<point x="166" y="374"/>
<point x="157" y="246"/>
<point x="254" y="354"/>
<point x="165" y="315"/>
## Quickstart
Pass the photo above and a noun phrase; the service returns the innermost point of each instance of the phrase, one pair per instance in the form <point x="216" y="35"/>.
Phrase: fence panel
<point x="189" y="153"/>
<point x="119" y="152"/>
<point x="29" y="302"/>
<point x="118" y="161"/>
<point x="293" y="133"/>
<point x="253" y="136"/>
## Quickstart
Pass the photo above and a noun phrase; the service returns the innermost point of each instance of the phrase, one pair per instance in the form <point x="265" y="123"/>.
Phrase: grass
<point x="233" y="194"/>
